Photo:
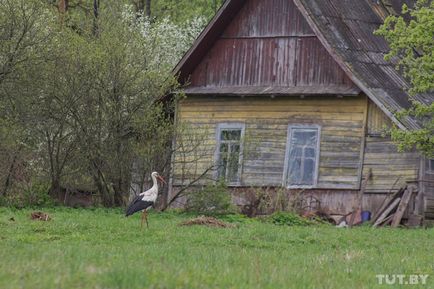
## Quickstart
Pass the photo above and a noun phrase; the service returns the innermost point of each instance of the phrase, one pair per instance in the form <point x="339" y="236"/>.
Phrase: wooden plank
<point x="385" y="221"/>
<point x="387" y="201"/>
<point x="387" y="212"/>
<point x="402" y="206"/>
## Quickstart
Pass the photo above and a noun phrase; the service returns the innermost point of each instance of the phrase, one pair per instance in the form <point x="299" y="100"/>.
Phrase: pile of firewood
<point x="393" y="208"/>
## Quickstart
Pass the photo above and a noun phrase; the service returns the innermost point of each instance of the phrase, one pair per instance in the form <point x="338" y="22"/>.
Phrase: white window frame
<point x="291" y="128"/>
<point x="230" y="126"/>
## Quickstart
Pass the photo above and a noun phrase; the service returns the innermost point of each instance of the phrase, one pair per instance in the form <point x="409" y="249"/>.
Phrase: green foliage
<point x="34" y="195"/>
<point x="102" y="249"/>
<point x="422" y="139"/>
<point x="289" y="219"/>
<point x="79" y="94"/>
<point x="181" y="11"/>
<point x="412" y="42"/>
<point x="411" y="39"/>
<point x="37" y="196"/>
<point x="211" y="200"/>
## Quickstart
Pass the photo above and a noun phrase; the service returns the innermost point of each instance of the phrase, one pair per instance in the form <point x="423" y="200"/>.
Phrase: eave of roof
<point x="273" y="90"/>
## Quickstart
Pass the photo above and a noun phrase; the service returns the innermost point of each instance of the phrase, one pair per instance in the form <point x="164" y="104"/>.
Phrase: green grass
<point x="102" y="249"/>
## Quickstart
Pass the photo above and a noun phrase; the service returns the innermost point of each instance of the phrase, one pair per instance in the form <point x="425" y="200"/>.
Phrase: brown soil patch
<point x="41" y="216"/>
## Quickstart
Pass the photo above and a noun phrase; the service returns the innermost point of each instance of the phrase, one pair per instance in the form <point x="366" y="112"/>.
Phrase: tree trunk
<point x="95" y="17"/>
<point x="55" y="188"/>
<point x="63" y="6"/>
<point x="148" y="8"/>
<point x="107" y="194"/>
<point x="9" y="176"/>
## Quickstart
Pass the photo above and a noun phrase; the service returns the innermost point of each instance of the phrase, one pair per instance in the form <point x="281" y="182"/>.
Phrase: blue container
<point x="366" y="216"/>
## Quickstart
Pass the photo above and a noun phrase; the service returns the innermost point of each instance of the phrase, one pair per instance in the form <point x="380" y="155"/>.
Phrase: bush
<point x="35" y="195"/>
<point x="289" y="219"/>
<point x="211" y="200"/>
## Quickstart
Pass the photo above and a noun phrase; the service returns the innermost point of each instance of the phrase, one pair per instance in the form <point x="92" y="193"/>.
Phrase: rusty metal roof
<point x="345" y="28"/>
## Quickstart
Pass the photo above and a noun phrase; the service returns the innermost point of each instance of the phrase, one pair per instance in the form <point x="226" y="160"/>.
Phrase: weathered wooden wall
<point x="266" y="120"/>
<point x="390" y="168"/>
<point x="268" y="44"/>
<point x="378" y="122"/>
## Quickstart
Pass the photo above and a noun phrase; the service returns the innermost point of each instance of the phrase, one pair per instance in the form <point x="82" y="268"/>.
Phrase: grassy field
<point x="102" y="249"/>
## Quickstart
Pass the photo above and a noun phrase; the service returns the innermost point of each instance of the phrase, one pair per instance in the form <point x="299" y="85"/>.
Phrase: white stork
<point x="144" y="201"/>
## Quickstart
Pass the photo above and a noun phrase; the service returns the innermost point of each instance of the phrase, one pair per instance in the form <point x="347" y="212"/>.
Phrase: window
<point x="302" y="156"/>
<point x="229" y="152"/>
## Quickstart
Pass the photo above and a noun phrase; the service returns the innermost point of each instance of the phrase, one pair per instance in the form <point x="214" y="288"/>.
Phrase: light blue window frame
<point x="289" y="146"/>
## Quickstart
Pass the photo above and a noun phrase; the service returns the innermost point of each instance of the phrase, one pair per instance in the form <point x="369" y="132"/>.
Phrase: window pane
<point x="304" y="137"/>
<point x="297" y="151"/>
<point x="309" y="152"/>
<point x="431" y="165"/>
<point x="309" y="168"/>
<point x="295" y="171"/>
<point x="223" y="160"/>
<point x="234" y="159"/>
<point x="233" y="134"/>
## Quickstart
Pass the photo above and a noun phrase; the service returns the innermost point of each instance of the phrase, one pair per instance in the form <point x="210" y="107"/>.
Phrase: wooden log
<point x="387" y="212"/>
<point x="402" y="206"/>
<point x="390" y="198"/>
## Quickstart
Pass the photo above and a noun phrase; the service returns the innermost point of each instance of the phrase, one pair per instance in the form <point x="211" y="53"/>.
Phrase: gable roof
<point x="345" y="28"/>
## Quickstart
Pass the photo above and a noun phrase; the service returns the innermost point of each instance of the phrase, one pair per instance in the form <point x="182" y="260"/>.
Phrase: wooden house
<point x="305" y="84"/>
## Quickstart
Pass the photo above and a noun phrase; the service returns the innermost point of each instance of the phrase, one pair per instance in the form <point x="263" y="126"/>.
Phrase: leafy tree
<point x="81" y="95"/>
<point x="24" y="31"/>
<point x="411" y="39"/>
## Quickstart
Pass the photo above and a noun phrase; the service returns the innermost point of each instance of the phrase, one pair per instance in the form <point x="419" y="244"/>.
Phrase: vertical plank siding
<point x="377" y="120"/>
<point x="268" y="44"/>
<point x="268" y="18"/>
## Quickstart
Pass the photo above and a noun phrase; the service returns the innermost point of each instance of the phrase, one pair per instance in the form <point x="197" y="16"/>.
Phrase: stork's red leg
<point x="143" y="218"/>
<point x="146" y="218"/>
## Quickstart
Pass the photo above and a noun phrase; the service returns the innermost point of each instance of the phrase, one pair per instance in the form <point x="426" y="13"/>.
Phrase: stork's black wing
<point x="137" y="205"/>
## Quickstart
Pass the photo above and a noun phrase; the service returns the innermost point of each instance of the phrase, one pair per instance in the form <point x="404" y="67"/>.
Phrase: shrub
<point x="289" y="219"/>
<point x="211" y="200"/>
<point x="35" y="195"/>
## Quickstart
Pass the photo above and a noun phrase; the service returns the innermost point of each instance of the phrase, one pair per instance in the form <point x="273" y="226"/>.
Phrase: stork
<point x="144" y="201"/>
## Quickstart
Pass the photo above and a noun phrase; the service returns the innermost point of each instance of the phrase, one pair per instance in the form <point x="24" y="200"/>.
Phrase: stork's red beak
<point x="161" y="179"/>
